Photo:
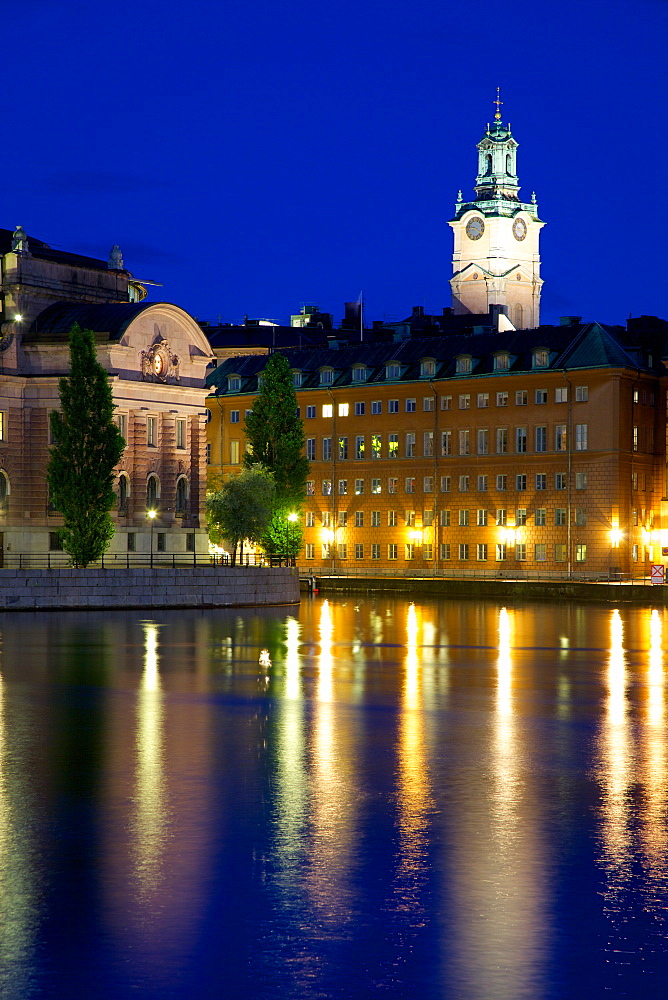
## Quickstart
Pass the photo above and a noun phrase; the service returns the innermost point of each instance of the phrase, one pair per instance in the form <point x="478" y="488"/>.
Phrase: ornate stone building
<point x="156" y="356"/>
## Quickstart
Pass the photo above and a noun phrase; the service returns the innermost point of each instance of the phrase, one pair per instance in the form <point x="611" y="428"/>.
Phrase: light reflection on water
<point x="451" y="800"/>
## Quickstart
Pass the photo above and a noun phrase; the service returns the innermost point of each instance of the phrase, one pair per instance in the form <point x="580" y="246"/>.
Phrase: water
<point x="451" y="800"/>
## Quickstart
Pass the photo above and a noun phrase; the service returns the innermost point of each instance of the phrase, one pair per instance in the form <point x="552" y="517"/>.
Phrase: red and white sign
<point x="657" y="574"/>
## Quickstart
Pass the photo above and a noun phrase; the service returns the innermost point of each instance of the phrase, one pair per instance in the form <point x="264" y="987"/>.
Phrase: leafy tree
<point x="276" y="434"/>
<point x="283" y="536"/>
<point x="242" y="508"/>
<point x="88" y="445"/>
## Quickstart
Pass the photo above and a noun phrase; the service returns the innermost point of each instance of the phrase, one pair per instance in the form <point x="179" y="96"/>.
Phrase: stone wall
<point x="161" y="587"/>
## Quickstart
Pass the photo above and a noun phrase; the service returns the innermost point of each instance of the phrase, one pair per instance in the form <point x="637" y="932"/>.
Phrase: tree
<point x="242" y="508"/>
<point x="88" y="445"/>
<point x="276" y="434"/>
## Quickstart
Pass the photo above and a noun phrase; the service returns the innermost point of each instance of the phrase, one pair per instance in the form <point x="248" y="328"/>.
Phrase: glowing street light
<point x="151" y="514"/>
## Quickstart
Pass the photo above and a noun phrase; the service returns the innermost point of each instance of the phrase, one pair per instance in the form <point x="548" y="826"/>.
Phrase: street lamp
<point x="291" y="517"/>
<point x="151" y="514"/>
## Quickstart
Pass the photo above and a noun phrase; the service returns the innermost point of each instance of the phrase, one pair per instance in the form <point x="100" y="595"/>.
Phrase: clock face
<point x="475" y="228"/>
<point x="519" y="229"/>
<point x="158" y="364"/>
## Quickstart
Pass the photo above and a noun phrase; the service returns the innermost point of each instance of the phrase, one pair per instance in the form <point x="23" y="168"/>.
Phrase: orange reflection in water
<point x="292" y="780"/>
<point x="654" y="834"/>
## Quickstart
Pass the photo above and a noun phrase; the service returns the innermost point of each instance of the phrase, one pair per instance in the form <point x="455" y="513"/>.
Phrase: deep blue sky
<point x="255" y="155"/>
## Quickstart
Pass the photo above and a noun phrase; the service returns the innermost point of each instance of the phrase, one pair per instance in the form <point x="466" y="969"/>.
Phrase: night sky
<point x="255" y="156"/>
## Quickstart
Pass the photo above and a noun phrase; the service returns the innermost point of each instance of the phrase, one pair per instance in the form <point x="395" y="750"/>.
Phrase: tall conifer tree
<point x="88" y="445"/>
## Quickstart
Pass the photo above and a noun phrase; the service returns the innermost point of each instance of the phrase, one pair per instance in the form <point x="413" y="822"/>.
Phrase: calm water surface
<point x="450" y="800"/>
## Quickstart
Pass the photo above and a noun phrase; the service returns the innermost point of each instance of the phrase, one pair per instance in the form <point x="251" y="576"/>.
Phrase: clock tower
<point x="496" y="260"/>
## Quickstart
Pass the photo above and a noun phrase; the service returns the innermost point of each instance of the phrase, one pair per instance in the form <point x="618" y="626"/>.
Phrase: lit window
<point x="234" y="452"/>
<point x="376" y="445"/>
<point x="540" y="552"/>
<point x="310" y="550"/>
<point x="359" y="446"/>
<point x="393" y="446"/>
<point x="343" y="409"/>
<point x="327" y="410"/>
<point x="580" y="552"/>
<point x="327" y="487"/>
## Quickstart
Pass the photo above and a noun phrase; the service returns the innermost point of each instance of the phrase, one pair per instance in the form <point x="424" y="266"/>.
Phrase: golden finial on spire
<point x="498" y="102"/>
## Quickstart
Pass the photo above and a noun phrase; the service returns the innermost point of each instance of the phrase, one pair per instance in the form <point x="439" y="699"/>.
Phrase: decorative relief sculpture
<point x="158" y="364"/>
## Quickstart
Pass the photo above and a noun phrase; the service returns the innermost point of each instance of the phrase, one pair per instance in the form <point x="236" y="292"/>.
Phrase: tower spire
<point x="498" y="102"/>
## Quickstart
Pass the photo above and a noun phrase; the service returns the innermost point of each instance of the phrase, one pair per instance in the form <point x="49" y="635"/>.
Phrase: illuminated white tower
<point x="496" y="259"/>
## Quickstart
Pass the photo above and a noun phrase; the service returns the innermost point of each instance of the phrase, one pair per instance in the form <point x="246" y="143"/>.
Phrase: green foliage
<point x="241" y="508"/>
<point x="276" y="433"/>
<point x="88" y="445"/>
<point x="283" y="536"/>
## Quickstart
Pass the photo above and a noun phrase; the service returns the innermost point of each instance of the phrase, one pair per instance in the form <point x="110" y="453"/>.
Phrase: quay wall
<point x="159" y="587"/>
<point x="556" y="590"/>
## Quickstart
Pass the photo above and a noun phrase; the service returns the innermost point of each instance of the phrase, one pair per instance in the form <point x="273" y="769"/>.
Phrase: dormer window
<point x="393" y="371"/>
<point x="234" y="383"/>
<point x="501" y="362"/>
<point x="427" y="367"/>
<point x="326" y="376"/>
<point x="541" y="358"/>
<point x="260" y="380"/>
<point x="296" y="379"/>
<point x="359" y="373"/>
<point x="463" y="364"/>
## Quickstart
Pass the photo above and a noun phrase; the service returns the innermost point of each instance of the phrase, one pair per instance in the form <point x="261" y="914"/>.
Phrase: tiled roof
<point x="577" y="346"/>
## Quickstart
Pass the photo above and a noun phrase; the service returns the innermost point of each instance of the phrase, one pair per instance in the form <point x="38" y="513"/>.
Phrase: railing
<point x="132" y="560"/>
<point x="415" y="572"/>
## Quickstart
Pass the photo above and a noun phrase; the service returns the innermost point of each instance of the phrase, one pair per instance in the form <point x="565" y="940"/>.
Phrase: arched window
<point x="152" y="492"/>
<point x="489" y="165"/>
<point x="123" y="491"/>
<point x="509" y="164"/>
<point x="182" y="495"/>
<point x="4" y="487"/>
<point x="519" y="317"/>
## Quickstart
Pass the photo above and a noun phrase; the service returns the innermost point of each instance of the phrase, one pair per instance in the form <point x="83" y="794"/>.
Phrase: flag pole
<point x="361" y="317"/>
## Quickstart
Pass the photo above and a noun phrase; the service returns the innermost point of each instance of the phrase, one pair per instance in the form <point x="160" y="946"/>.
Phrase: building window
<point x="190" y="541"/>
<point x="180" y="433"/>
<point x="481" y="552"/>
<point x="375" y="519"/>
<point x="410" y="445"/>
<point x="502" y="399"/>
<point x="464" y="484"/>
<point x="561" y="395"/>
<point x="121" y="419"/>
<point x="560" y="552"/>
<point x="560" y="516"/>
<point x="131" y="541"/>
<point x="446" y="443"/>
<point x="501" y="440"/>
<point x="463" y="364"/>
<point x="445" y="518"/>
<point x="55" y="542"/>
<point x="463" y="551"/>
<point x="182" y="496"/>
<point x="520" y="440"/>
<point x="521" y="397"/>
<point x="410" y="484"/>
<point x="427" y="484"/>
<point x="392" y="551"/>
<point x="343" y="550"/>
<point x="445" y="550"/>
<point x="541" y="481"/>
<point x="393" y="484"/>
<point x="410" y="551"/>
<point x="634" y="480"/>
<point x="427" y="367"/>
<point x="152" y="492"/>
<point x="502" y="482"/>
<point x="581" y="393"/>
<point x="427" y="404"/>
<point x="344" y="409"/>
<point x="541" y="438"/>
<point x="359" y="409"/>
<point x="581" y="437"/>
<point x="375" y="486"/>
<point x="465" y="401"/>
<point x="343" y="487"/>
<point x="151" y="432"/>
<point x="500" y="551"/>
<point x="410" y="406"/>
<point x="326" y="376"/>
<point x="483" y="400"/>
<point x="393" y="446"/>
<point x="541" y="359"/>
<point x="520" y="551"/>
<point x="327" y="411"/>
<point x="634" y="553"/>
<point x="327" y="487"/>
<point x="464" y="442"/>
<point x="359" y="518"/>
<point x="481" y="518"/>
<point x="540" y="396"/>
<point x="446" y="402"/>
<point x="376" y="446"/>
<point x="343" y="449"/>
<point x="560" y="437"/>
<point x="234" y="383"/>
<point x="540" y="552"/>
<point x="375" y="550"/>
<point x="463" y="519"/>
<point x="501" y="362"/>
<point x="234" y="452"/>
<point x="392" y="371"/>
<point x="309" y="550"/>
<point x="580" y="516"/>
<point x="326" y="550"/>
<point x="445" y="484"/>
<point x="427" y="518"/>
<point x="123" y="492"/>
<point x="161" y="539"/>
<point x="310" y="487"/>
<point x="393" y="406"/>
<point x="483" y="441"/>
<point x="359" y="550"/>
<point x="391" y="518"/>
<point x="327" y="449"/>
<point x="540" y="517"/>
<point x="560" y="481"/>
<point x="310" y="412"/>
<point x="359" y="373"/>
<point x="427" y="551"/>
<point x="520" y="517"/>
<point x="580" y="480"/>
<point x="580" y="552"/>
<point x="377" y="406"/>
<point x="234" y="416"/>
<point x="428" y="444"/>
<point x="310" y="449"/>
<point x="482" y="484"/>
<point x="520" y="482"/>
<point x="310" y="519"/>
<point x="501" y="518"/>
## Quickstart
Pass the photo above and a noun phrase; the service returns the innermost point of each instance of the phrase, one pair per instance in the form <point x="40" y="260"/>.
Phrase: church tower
<point x="496" y="260"/>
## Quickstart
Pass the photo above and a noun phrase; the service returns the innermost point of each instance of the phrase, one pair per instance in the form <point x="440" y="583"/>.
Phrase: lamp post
<point x="151" y="515"/>
<point x="291" y="518"/>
